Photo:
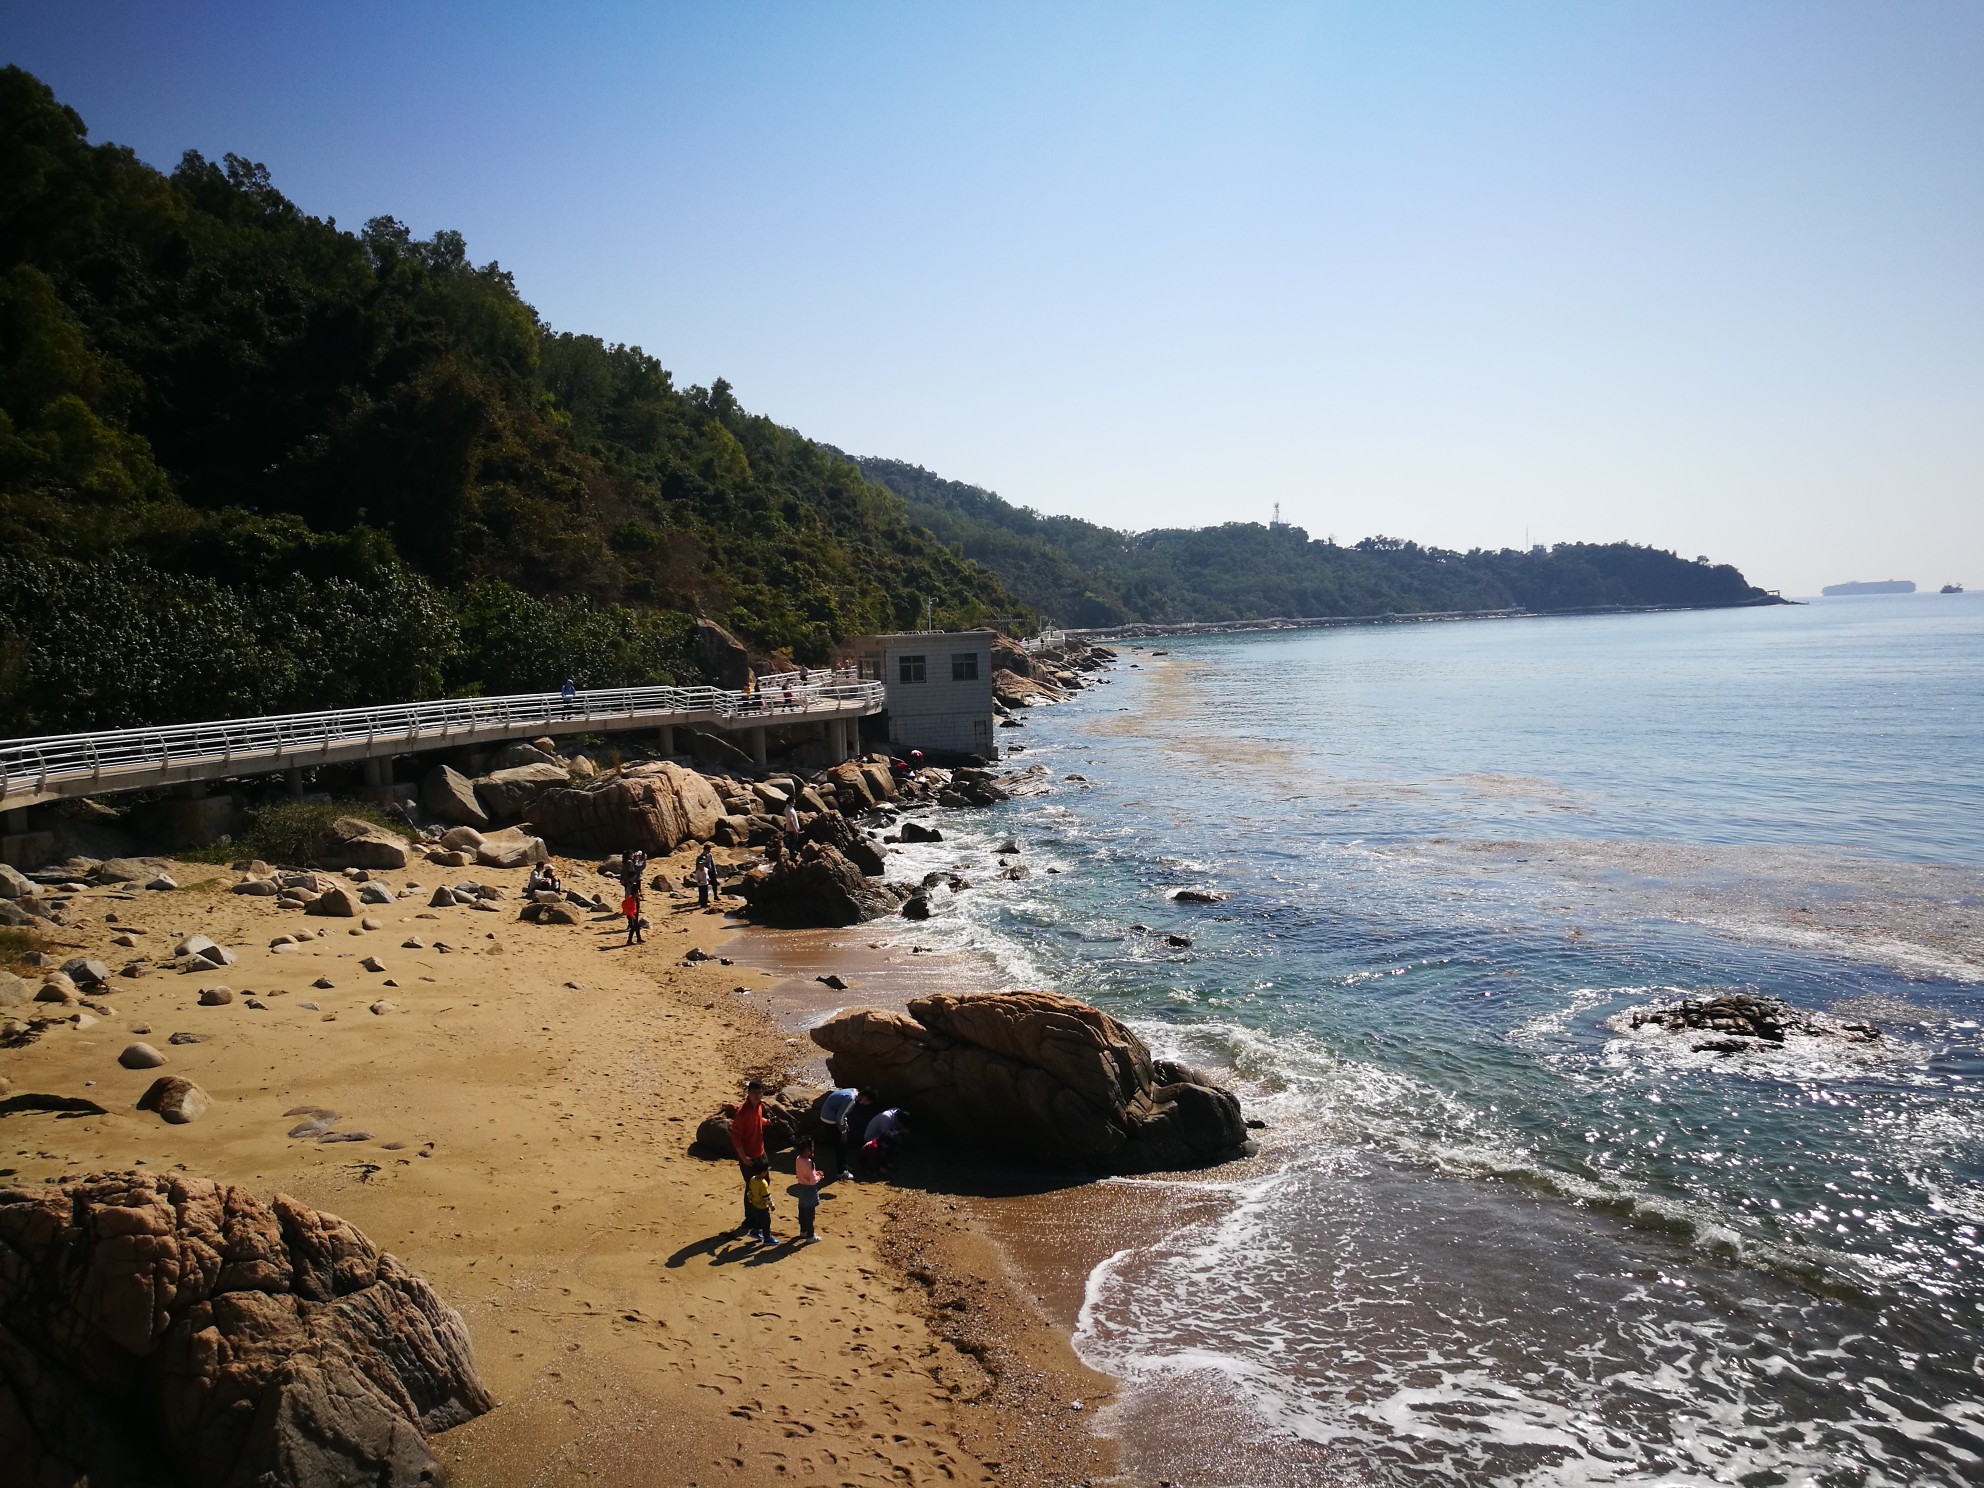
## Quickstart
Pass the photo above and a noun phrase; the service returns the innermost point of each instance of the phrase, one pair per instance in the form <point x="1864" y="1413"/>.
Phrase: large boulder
<point x="720" y="656"/>
<point x="517" y="753"/>
<point x="164" y="1330"/>
<point x="450" y="796"/>
<point x="1038" y="1073"/>
<point x="819" y="887"/>
<point x="15" y="884"/>
<point x="510" y="848"/>
<point x="506" y="794"/>
<point x="655" y="807"/>
<point x="831" y="829"/>
<point x="352" y="842"/>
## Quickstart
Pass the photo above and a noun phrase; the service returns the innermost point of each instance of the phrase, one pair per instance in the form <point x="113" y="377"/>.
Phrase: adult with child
<point x="704" y="877"/>
<point x="633" y="867"/>
<point x="747" y="1140"/>
<point x="631" y="908"/>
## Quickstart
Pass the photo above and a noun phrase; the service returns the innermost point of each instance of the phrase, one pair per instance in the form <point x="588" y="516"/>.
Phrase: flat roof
<point x="929" y="635"/>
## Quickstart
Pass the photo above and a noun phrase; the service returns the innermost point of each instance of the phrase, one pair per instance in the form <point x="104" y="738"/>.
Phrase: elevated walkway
<point x="33" y="771"/>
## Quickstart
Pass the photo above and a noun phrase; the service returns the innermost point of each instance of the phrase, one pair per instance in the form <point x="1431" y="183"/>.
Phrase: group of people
<point x="843" y="1112"/>
<point x="633" y="870"/>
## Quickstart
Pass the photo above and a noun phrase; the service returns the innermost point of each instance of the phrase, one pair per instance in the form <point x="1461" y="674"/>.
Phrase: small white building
<point x="938" y="686"/>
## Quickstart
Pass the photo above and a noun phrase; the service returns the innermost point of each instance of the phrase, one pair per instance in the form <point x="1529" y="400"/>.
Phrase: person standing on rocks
<point x="792" y="834"/>
<point x="747" y="1140"/>
<point x="705" y="876"/>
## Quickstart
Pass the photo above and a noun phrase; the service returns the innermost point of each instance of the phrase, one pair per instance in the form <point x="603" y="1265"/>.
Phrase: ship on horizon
<point x="1875" y="586"/>
<point x="1951" y="589"/>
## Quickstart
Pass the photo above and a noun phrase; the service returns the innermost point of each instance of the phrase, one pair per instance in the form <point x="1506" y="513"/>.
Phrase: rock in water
<point x="820" y="887"/>
<point x="167" y="1329"/>
<point x="177" y="1101"/>
<point x="1036" y="1073"/>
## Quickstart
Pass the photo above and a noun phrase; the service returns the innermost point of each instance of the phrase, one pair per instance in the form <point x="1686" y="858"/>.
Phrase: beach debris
<point x="175" y="1099"/>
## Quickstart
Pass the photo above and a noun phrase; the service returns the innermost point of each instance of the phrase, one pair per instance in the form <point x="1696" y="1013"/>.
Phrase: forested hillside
<point x="1077" y="573"/>
<point x="252" y="461"/>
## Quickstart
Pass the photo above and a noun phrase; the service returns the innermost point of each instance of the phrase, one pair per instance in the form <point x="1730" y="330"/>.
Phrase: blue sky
<point x="1704" y="275"/>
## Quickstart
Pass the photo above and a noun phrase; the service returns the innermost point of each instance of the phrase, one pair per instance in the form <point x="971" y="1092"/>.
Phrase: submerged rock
<point x="1039" y="1074"/>
<point x="1742" y="1021"/>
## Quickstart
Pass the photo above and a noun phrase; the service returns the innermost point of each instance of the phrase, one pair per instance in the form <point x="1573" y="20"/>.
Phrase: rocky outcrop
<point x="506" y="794"/>
<point x="819" y="887"/>
<point x="352" y="842"/>
<point x="720" y="656"/>
<point x="1737" y="1022"/>
<point x="831" y="829"/>
<point x="450" y="796"/>
<point x="510" y="848"/>
<point x="654" y="807"/>
<point x="161" y="1331"/>
<point x="1039" y="1075"/>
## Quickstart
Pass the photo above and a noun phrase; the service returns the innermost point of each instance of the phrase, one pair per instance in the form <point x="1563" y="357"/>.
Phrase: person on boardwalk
<point x="839" y="1108"/>
<point x="631" y="908"/>
<point x="747" y="1140"/>
<point x="570" y="693"/>
<point x="705" y="877"/>
<point x="758" y="1202"/>
<point x="806" y="1179"/>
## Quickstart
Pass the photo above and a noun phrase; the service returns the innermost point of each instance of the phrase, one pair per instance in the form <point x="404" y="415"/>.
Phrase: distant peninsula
<point x="1876" y="586"/>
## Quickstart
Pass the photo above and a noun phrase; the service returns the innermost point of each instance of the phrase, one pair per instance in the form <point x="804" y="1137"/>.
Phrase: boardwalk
<point x="32" y="771"/>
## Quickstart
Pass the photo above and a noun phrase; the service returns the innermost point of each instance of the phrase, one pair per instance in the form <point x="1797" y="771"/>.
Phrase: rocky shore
<point x="389" y="1040"/>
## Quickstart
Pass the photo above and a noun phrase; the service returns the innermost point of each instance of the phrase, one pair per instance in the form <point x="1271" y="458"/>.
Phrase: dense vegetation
<point x="1078" y="573"/>
<point x="251" y="461"/>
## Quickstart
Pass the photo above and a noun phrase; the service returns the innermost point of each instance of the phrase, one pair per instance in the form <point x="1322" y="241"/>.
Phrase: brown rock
<point x="450" y="796"/>
<point x="140" y="1056"/>
<point x="506" y="794"/>
<point x="337" y="902"/>
<point x="510" y="848"/>
<point x="819" y="887"/>
<point x="1035" y="1072"/>
<point x="351" y="842"/>
<point x="177" y="1101"/>
<point x="216" y="996"/>
<point x="174" y="1330"/>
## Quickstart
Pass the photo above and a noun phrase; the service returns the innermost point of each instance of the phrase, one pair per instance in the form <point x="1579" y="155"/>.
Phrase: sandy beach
<point x="527" y="1095"/>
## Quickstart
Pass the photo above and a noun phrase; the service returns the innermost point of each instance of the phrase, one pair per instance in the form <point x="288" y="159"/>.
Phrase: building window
<point x="909" y="668"/>
<point x="964" y="668"/>
<point x="870" y="669"/>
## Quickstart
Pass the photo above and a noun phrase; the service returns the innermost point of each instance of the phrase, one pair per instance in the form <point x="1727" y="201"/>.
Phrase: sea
<point x="1495" y="1234"/>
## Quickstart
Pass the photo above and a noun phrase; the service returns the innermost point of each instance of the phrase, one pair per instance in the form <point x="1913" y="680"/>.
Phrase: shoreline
<point x="529" y="1096"/>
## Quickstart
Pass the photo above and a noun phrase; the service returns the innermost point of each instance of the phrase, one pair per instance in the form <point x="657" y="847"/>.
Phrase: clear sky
<point x="1709" y="276"/>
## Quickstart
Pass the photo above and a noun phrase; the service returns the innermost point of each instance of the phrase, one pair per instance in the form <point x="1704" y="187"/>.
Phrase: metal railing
<point x="32" y="764"/>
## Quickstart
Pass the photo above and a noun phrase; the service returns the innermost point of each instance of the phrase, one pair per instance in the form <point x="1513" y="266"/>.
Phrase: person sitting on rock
<point x="543" y="880"/>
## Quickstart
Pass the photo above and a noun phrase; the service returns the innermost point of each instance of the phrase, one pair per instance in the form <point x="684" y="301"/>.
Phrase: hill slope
<point x="1078" y="573"/>
<point x="252" y="461"/>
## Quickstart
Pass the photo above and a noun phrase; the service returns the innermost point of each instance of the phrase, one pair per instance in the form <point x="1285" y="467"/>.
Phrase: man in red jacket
<point x="747" y="1139"/>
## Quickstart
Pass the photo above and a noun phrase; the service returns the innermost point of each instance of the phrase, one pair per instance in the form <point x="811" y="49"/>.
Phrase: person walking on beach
<point x="631" y="908"/>
<point x="835" y="1112"/>
<point x="705" y="876"/>
<point x="758" y="1202"/>
<point x="806" y="1178"/>
<point x="747" y="1140"/>
<point x="633" y="868"/>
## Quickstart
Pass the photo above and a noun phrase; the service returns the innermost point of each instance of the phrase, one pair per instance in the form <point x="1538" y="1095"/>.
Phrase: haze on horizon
<point x="1706" y="277"/>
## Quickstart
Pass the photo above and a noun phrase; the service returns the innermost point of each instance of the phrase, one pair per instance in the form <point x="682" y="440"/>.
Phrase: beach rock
<point x="655" y="807"/>
<point x="85" y="972"/>
<point x="201" y="948"/>
<point x="163" y="882"/>
<point x="517" y="753"/>
<point x="461" y="839"/>
<point x="177" y="1101"/>
<point x="260" y="887"/>
<point x="13" y="991"/>
<point x="852" y="787"/>
<point x="1744" y="1021"/>
<point x="505" y="794"/>
<point x="123" y="870"/>
<point x="916" y="907"/>
<point x="818" y="887"/>
<point x="373" y="963"/>
<point x="1038" y="1073"/>
<point x="140" y="1056"/>
<point x="510" y="848"/>
<point x="216" y="996"/>
<point x="443" y="897"/>
<point x="917" y="832"/>
<point x="165" y="1329"/>
<point x="352" y="842"/>
<point x="12" y="913"/>
<point x="336" y="903"/>
<point x="15" y="884"/>
<point x="1199" y="896"/>
<point x="375" y="893"/>
<point x="57" y="986"/>
<point x="384" y="1006"/>
<point x="831" y="829"/>
<point x="832" y="981"/>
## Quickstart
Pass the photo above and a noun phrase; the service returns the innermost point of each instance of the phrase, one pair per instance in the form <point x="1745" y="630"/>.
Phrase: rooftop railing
<point x="31" y="764"/>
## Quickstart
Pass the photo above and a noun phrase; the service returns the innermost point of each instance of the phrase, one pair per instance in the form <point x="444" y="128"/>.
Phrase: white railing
<point x="30" y="764"/>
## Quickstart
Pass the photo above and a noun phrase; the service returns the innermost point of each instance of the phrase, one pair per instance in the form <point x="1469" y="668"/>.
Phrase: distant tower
<point x="1277" y="525"/>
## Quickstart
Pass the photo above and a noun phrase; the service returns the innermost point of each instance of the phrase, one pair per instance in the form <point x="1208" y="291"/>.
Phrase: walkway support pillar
<point x="379" y="778"/>
<point x="13" y="820"/>
<point x="758" y="743"/>
<point x="292" y="780"/>
<point x="668" y="738"/>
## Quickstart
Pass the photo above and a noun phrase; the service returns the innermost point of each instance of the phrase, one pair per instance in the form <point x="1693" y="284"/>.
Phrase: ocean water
<point x="1495" y="1236"/>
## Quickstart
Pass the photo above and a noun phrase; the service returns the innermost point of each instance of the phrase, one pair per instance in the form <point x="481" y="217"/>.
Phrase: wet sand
<point x="528" y="1102"/>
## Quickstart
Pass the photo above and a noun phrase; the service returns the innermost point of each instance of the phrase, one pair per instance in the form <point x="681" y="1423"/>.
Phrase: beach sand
<point x="530" y="1098"/>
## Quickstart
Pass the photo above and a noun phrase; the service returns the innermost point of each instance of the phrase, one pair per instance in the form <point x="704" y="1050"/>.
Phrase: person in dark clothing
<point x="631" y="908"/>
<point x="705" y="876"/>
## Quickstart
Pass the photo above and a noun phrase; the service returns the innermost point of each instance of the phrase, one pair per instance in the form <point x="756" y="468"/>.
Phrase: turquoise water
<point x="1494" y="1236"/>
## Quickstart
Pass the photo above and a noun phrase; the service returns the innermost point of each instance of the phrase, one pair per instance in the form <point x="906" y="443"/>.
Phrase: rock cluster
<point x="1743" y="1021"/>
<point x="163" y="1331"/>
<point x="1036" y="1075"/>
